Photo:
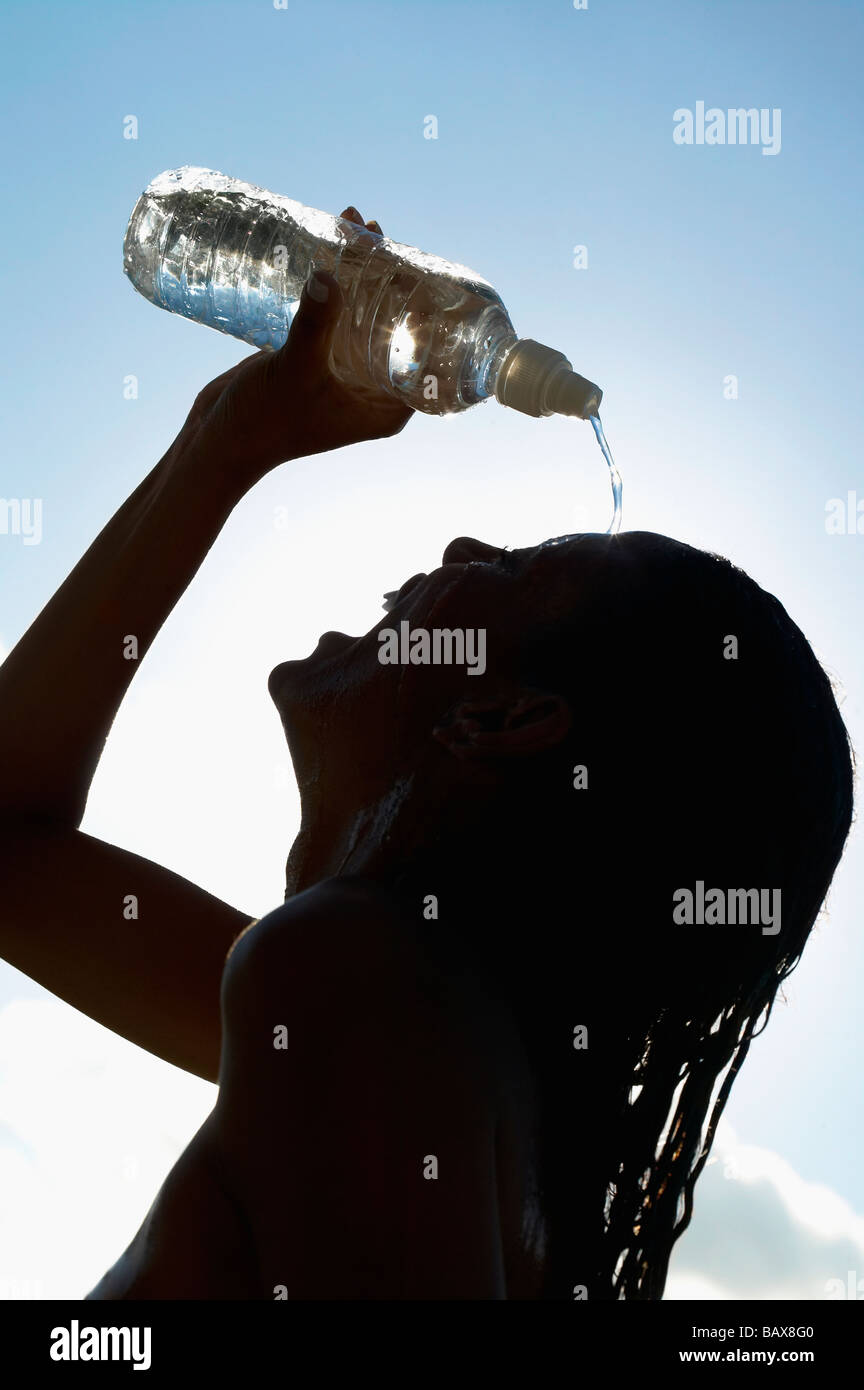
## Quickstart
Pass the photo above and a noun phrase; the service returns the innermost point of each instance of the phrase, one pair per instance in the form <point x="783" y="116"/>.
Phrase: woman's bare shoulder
<point x="334" y="929"/>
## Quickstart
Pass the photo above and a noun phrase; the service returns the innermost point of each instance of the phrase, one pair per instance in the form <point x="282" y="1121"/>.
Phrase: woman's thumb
<point x="316" y="317"/>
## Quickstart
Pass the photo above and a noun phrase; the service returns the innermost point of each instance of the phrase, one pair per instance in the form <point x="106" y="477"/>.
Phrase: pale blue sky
<point x="554" y="130"/>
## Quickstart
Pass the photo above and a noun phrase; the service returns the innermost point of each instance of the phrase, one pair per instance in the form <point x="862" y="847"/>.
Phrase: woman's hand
<point x="275" y="406"/>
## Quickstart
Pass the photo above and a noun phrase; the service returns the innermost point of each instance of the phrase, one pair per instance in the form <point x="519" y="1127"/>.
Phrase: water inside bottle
<point x="236" y="258"/>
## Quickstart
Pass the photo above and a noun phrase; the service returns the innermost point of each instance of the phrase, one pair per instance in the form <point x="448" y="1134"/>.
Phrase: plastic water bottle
<point x="434" y="334"/>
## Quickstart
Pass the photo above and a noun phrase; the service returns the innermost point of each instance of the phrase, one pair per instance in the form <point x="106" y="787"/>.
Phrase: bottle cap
<point x="540" y="381"/>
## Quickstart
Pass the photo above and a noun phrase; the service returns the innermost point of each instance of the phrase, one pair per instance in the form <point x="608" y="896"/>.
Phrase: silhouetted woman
<point x="481" y="1049"/>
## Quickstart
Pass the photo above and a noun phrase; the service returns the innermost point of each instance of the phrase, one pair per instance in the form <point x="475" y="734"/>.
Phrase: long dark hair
<point x="714" y="751"/>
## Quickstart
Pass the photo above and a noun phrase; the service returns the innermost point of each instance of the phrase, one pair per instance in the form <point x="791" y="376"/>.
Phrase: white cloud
<point x="760" y="1230"/>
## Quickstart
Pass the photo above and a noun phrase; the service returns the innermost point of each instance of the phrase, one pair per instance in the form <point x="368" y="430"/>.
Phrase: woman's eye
<point x="505" y="560"/>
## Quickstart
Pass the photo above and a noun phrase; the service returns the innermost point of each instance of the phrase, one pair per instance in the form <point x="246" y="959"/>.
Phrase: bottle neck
<point x="537" y="380"/>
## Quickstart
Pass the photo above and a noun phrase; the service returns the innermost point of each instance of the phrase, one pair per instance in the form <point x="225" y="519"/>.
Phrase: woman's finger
<point x="313" y="325"/>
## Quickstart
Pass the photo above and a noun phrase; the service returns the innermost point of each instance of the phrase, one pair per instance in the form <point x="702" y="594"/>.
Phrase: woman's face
<point x="344" y="708"/>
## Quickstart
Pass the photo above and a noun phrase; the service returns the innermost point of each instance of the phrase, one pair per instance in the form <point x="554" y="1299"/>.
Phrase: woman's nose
<point x="465" y="549"/>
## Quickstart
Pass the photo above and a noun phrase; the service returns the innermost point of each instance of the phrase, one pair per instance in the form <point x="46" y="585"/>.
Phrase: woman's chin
<point x="329" y="645"/>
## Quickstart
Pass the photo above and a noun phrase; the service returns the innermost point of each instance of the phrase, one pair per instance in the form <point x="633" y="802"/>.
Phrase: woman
<point x="481" y="1049"/>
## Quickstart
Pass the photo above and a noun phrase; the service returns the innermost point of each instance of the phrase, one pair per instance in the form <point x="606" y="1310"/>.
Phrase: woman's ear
<point x="506" y="726"/>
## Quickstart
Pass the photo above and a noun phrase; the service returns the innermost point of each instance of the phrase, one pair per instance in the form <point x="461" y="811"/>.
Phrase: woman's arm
<point x="62" y="685"/>
<point x="154" y="979"/>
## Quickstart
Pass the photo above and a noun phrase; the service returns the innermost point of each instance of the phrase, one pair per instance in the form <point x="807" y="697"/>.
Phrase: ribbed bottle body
<point x="235" y="257"/>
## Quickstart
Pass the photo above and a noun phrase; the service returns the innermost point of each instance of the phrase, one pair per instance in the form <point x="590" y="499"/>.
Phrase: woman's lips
<point x="393" y="596"/>
<point x="331" y="642"/>
<point x="334" y="644"/>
